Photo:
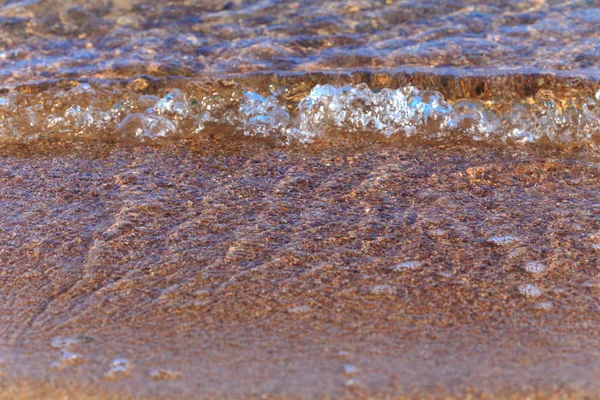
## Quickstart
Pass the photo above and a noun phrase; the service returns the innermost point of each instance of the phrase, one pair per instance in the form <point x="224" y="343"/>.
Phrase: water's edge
<point x="507" y="108"/>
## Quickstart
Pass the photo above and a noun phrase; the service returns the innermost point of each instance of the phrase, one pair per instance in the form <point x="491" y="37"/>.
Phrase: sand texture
<point x="222" y="268"/>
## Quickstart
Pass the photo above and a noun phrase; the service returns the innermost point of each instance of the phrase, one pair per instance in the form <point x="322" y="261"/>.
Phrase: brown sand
<point x="339" y="271"/>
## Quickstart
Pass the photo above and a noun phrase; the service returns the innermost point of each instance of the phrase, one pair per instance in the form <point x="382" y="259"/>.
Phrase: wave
<point x="302" y="112"/>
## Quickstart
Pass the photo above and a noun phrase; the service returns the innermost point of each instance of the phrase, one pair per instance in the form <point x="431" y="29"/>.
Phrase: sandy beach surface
<point x="236" y="269"/>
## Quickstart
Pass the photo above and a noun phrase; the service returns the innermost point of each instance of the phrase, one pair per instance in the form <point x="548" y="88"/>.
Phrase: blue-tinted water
<point x="513" y="72"/>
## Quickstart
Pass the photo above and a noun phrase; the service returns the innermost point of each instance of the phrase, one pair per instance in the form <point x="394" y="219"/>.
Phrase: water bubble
<point x="504" y="240"/>
<point x="262" y="116"/>
<point x="535" y="267"/>
<point x="81" y="89"/>
<point x="471" y="117"/>
<point x="438" y="232"/>
<point x="358" y="109"/>
<point x="530" y="290"/>
<point x="407" y="265"/>
<point x="132" y="126"/>
<point x="67" y="358"/>
<point x="157" y="126"/>
<point x="349" y="370"/>
<point x="86" y="111"/>
<point x="174" y="104"/>
<point x="120" y="368"/>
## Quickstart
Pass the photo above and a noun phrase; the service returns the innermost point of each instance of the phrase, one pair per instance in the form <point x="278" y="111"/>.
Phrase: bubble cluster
<point x="358" y="109"/>
<point x="407" y="112"/>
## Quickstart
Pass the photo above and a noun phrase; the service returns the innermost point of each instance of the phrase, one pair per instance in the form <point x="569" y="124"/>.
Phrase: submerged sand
<point x="236" y="269"/>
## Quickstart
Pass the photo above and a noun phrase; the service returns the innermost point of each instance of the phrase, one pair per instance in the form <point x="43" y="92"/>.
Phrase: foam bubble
<point x="120" y="368"/>
<point x="349" y="370"/>
<point x="530" y="290"/>
<point x="358" y="109"/>
<point x="503" y="240"/>
<point x="405" y="112"/>
<point x="535" y="267"/>
<point x="407" y="265"/>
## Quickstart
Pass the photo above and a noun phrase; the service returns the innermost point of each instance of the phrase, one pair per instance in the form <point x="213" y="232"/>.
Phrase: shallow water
<point x="296" y="72"/>
<point x="330" y="199"/>
<point x="220" y="268"/>
<point x="70" y="39"/>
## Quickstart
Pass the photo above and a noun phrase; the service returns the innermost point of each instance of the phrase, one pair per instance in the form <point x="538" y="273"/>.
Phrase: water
<point x="243" y="189"/>
<point x="349" y="370"/>
<point x="159" y="374"/>
<point x="53" y="39"/>
<point x="530" y="290"/>
<point x="65" y="345"/>
<point x="506" y="240"/>
<point x="404" y="113"/>
<point x="407" y="265"/>
<point x="299" y="72"/>
<point x="120" y="368"/>
<point x="535" y="267"/>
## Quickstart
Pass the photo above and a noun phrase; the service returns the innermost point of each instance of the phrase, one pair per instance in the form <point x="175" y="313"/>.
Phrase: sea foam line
<point x="121" y="114"/>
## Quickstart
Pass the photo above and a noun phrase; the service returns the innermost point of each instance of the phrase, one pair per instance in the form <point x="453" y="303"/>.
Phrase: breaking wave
<point x="88" y="111"/>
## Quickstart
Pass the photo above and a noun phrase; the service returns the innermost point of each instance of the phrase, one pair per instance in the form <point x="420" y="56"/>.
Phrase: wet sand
<point x="235" y="269"/>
